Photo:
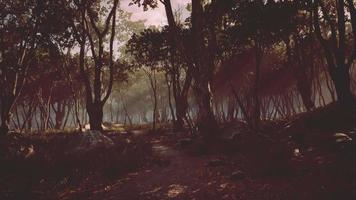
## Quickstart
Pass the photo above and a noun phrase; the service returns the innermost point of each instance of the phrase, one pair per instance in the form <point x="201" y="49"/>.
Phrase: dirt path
<point x="176" y="175"/>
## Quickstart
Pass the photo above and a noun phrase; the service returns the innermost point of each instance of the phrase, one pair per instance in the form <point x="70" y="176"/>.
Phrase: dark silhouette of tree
<point x="91" y="29"/>
<point x="151" y="48"/>
<point x="258" y="26"/>
<point x="339" y="19"/>
<point x="205" y="22"/>
<point x="24" y="26"/>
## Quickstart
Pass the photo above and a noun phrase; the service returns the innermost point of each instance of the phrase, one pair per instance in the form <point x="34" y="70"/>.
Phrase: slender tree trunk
<point x="257" y="109"/>
<point x="59" y="114"/>
<point x="154" y="104"/>
<point x="303" y="81"/>
<point x="230" y="108"/>
<point x="6" y="104"/>
<point x="181" y="111"/>
<point x="69" y="108"/>
<point x="27" y="119"/>
<point x="169" y="87"/>
<point x="48" y="110"/>
<point x="127" y="116"/>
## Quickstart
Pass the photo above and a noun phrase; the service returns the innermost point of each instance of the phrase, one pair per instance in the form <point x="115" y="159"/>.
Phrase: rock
<point x="137" y="132"/>
<point x="342" y="138"/>
<point x="92" y="140"/>
<point x="185" y="142"/>
<point x="162" y="162"/>
<point x="237" y="175"/>
<point x="215" y="163"/>
<point x="343" y="142"/>
<point x="230" y="134"/>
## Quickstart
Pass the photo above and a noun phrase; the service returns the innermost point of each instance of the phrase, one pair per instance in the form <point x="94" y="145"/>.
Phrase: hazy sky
<point x="157" y="16"/>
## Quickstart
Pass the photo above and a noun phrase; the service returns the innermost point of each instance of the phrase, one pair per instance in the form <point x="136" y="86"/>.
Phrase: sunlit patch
<point x="133" y="174"/>
<point x="174" y="190"/>
<point x="27" y="151"/>
<point x="160" y="148"/>
<point x="155" y="141"/>
<point x="157" y="189"/>
<point x="107" y="188"/>
<point x="297" y="152"/>
<point x="195" y="191"/>
<point x="342" y="138"/>
<point x="224" y="185"/>
<point x="30" y="152"/>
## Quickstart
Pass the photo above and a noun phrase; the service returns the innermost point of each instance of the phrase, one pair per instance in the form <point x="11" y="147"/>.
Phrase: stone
<point x="342" y="138"/>
<point x="215" y="163"/>
<point x="93" y="139"/>
<point x="230" y="135"/>
<point x="185" y="142"/>
<point x="237" y="175"/>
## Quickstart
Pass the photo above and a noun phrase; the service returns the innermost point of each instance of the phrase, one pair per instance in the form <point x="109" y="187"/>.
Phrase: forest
<point x="177" y="99"/>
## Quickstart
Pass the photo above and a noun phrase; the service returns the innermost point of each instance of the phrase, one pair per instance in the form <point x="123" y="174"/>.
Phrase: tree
<point x="331" y="17"/>
<point x="24" y="25"/>
<point x="151" y="48"/>
<point x="259" y="33"/>
<point x="205" y="22"/>
<point x="91" y="27"/>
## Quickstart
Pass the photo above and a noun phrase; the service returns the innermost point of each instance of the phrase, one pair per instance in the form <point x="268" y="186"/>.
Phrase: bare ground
<point x="176" y="173"/>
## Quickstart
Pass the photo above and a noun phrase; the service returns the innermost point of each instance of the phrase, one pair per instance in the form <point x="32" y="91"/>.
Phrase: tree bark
<point x="256" y="100"/>
<point x="95" y="112"/>
<point x="203" y="71"/>
<point x="206" y="122"/>
<point x="153" y="84"/>
<point x="6" y="104"/>
<point x="181" y="111"/>
<point x="341" y="78"/>
<point x="169" y="88"/>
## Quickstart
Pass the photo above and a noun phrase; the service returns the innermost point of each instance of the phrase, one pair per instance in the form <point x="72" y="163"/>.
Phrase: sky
<point x="155" y="17"/>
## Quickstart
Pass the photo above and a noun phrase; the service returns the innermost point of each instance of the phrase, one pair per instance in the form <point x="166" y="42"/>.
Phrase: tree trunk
<point x="231" y="108"/>
<point x="341" y="78"/>
<point x="6" y="104"/>
<point x="169" y="87"/>
<point x="95" y="112"/>
<point x="27" y="119"/>
<point x="181" y="111"/>
<point x="94" y="104"/>
<point x="155" y="112"/>
<point x="304" y="80"/>
<point x="256" y="98"/>
<point x="203" y="71"/>
<point x="335" y="54"/>
<point x="59" y="114"/>
<point x="206" y="122"/>
<point x="127" y="116"/>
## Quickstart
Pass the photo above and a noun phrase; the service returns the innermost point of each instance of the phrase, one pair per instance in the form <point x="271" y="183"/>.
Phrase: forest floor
<point x="179" y="172"/>
<point x="176" y="171"/>
<point x="173" y="174"/>
<point x="308" y="159"/>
